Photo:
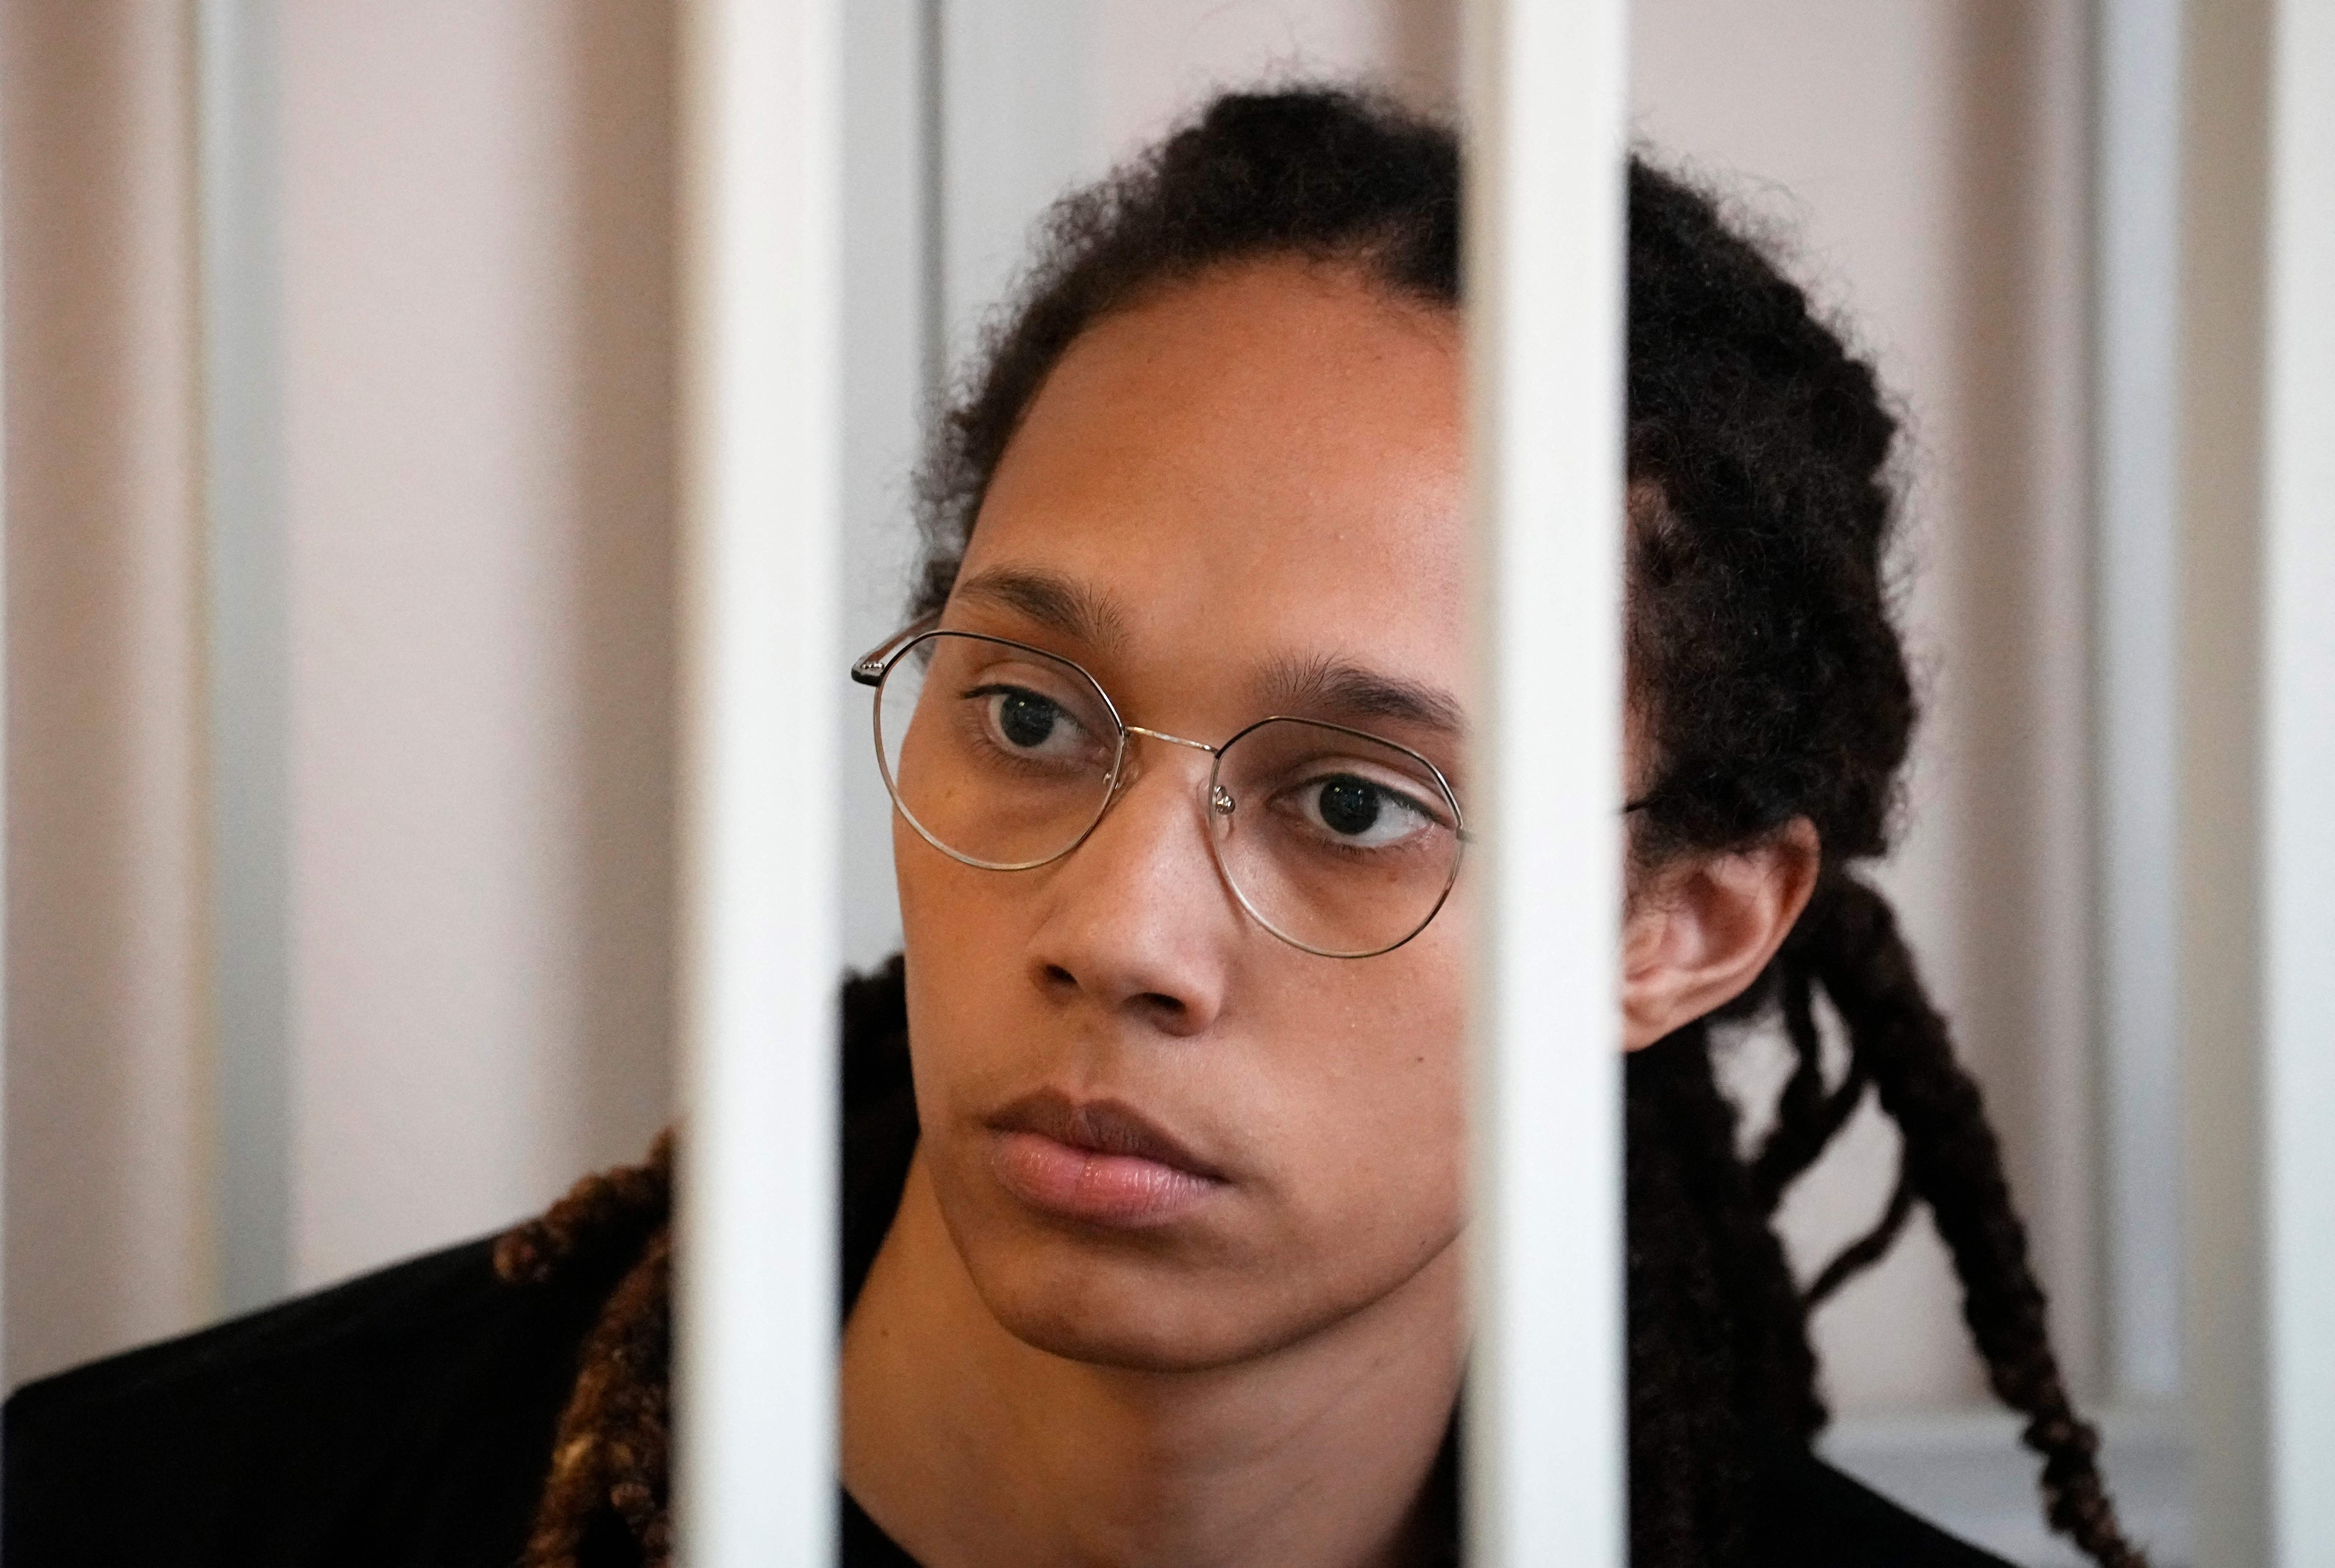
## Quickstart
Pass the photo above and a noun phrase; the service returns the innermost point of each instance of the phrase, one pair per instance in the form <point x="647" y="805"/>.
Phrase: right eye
<point x="1026" y="718"/>
<point x="1030" y="724"/>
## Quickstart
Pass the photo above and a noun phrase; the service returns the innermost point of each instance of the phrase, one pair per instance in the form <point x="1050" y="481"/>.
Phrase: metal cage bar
<point x="2298" y="857"/>
<point x="2136" y="682"/>
<point x="246" y="642"/>
<point x="1545" y="95"/>
<point x="760" y="227"/>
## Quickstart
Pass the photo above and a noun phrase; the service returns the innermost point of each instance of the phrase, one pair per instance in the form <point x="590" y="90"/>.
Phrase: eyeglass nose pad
<point x="1220" y="800"/>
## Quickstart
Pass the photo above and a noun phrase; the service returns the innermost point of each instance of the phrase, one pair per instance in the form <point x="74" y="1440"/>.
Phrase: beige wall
<point x="476" y="310"/>
<point x="1154" y="59"/>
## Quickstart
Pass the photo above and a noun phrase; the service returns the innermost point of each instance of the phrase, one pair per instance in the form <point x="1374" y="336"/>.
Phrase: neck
<point x="972" y="1448"/>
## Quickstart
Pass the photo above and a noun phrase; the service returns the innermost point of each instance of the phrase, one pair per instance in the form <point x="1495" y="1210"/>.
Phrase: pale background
<point x="475" y="321"/>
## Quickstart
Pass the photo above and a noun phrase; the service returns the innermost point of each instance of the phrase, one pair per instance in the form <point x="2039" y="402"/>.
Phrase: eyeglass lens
<point x="1006" y="757"/>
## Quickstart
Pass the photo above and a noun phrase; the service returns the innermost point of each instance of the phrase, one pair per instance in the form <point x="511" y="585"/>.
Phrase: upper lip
<point x="1099" y="1126"/>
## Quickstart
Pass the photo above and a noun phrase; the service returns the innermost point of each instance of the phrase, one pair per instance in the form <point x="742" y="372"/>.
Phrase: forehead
<point x="1265" y="462"/>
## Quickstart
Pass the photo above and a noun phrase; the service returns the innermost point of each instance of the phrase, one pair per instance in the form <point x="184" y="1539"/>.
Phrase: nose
<point x="1138" y="923"/>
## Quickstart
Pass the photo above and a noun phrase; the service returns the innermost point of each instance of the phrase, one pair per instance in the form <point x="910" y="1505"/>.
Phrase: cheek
<point x="967" y="952"/>
<point x="1360" y="1114"/>
<point x="1374" y="1115"/>
<point x="929" y="896"/>
<point x="956" y="920"/>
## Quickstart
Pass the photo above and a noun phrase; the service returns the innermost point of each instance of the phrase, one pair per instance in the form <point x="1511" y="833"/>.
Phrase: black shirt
<point x="405" y="1418"/>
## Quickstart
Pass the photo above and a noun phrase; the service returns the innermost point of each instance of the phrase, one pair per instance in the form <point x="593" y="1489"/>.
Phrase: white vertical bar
<point x="246" y="648"/>
<point x="1546" y="93"/>
<point x="2299" y="795"/>
<point x="2225" y="1359"/>
<point x="2137" y="424"/>
<point x="760" y="224"/>
<point x="7" y="690"/>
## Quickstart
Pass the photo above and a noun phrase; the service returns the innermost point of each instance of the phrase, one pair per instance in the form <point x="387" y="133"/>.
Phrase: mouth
<point x="1096" y="1162"/>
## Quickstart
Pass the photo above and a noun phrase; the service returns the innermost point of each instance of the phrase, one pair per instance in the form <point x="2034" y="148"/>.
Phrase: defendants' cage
<point x="762" y="84"/>
<point x="1546" y="102"/>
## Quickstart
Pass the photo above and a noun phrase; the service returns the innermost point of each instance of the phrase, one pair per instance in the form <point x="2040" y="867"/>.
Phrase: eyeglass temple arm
<point x="869" y="667"/>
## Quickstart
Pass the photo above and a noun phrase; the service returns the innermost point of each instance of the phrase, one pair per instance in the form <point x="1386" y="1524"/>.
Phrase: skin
<point x="1259" y="471"/>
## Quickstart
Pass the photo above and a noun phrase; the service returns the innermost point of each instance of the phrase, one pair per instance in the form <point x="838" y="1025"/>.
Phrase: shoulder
<point x="879" y="1116"/>
<point x="1812" y="1514"/>
<point x="404" y="1415"/>
<point x="405" y="1301"/>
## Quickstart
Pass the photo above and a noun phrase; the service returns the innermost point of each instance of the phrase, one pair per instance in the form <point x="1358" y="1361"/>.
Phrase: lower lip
<point x="1126" y="1192"/>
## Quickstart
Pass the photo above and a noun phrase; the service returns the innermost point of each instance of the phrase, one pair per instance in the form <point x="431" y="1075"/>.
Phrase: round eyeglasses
<point x="1005" y="757"/>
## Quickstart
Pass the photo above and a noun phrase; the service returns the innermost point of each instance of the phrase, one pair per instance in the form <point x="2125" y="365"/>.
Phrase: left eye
<point x="1358" y="812"/>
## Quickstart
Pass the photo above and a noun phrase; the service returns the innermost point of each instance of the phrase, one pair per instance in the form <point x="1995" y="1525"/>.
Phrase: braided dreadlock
<point x="605" y="1499"/>
<point x="1764" y="662"/>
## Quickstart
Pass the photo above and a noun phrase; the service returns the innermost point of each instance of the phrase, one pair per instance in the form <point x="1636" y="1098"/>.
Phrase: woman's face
<point x="1241" y="498"/>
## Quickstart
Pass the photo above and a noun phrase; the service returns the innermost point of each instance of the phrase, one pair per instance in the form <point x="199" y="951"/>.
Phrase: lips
<point x="1096" y="1162"/>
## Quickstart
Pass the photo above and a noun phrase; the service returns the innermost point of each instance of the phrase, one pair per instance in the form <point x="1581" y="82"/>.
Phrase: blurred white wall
<point x="475" y="318"/>
<point x="477" y="312"/>
<point x="1041" y="94"/>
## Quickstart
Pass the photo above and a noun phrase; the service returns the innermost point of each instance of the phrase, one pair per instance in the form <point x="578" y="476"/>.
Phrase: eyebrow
<point x="1345" y="689"/>
<point x="1053" y="601"/>
<point x="1327" y="686"/>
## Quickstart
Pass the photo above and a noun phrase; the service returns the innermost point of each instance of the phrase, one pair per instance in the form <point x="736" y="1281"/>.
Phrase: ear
<point x="1699" y="931"/>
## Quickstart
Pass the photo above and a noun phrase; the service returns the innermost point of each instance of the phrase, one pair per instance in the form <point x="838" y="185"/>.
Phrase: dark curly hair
<point x="1766" y="668"/>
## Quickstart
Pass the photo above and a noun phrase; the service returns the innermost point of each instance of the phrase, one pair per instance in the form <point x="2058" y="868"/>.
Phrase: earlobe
<point x="1699" y="933"/>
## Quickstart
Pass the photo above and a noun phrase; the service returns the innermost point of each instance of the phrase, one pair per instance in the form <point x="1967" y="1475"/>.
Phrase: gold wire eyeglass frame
<point x="872" y="669"/>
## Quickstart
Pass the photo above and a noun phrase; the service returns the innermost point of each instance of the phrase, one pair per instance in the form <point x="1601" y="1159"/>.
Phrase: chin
<point x="1068" y="1298"/>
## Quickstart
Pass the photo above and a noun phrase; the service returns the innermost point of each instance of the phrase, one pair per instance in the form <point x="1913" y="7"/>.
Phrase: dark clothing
<point x="405" y="1418"/>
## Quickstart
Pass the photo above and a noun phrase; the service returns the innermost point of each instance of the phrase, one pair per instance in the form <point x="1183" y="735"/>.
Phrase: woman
<point x="1154" y="1178"/>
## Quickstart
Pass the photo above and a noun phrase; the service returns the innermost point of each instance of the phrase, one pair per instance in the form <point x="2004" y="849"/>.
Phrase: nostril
<point x="1161" y="1003"/>
<point x="1057" y="977"/>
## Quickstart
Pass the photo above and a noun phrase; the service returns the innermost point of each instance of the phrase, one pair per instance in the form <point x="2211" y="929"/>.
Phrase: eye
<point x="1023" y="719"/>
<point x="1358" y="812"/>
<point x="1031" y="725"/>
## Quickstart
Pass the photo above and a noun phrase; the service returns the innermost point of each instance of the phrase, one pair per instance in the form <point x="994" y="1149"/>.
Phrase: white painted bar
<point x="2299" y="779"/>
<point x="761" y="146"/>
<point x="2136" y="767"/>
<point x="6" y="1034"/>
<point x="247" y="649"/>
<point x="1545" y="100"/>
<point x="2225" y="1362"/>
